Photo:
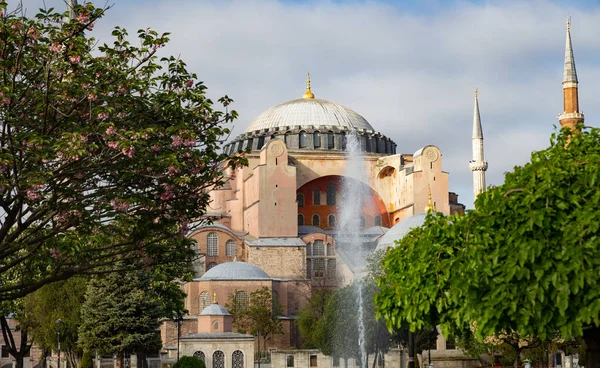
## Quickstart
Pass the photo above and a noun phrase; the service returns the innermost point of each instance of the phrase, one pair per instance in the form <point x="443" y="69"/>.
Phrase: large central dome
<point x="307" y="112"/>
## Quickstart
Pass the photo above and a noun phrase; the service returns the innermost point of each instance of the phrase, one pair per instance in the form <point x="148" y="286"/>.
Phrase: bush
<point x="189" y="362"/>
<point x="86" y="360"/>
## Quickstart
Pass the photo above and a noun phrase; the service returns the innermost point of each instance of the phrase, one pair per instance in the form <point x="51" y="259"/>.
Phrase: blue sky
<point x="408" y="67"/>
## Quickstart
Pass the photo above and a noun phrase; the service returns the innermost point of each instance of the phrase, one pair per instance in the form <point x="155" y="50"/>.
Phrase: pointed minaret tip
<point x="570" y="75"/>
<point x="477" y="130"/>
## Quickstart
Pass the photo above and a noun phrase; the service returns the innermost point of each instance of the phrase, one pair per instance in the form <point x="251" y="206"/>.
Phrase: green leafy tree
<point x="17" y="346"/>
<point x="309" y="316"/>
<point x="189" y="362"/>
<point x="336" y="333"/>
<point x="104" y="151"/>
<point x="121" y="313"/>
<point x="41" y="309"/>
<point x="259" y="318"/>
<point x="525" y="261"/>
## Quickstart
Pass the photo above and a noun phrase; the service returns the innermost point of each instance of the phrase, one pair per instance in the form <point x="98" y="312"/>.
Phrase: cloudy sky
<point x="409" y="67"/>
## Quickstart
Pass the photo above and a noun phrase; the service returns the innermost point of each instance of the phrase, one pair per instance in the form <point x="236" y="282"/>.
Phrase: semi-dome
<point x="235" y="271"/>
<point x="399" y="230"/>
<point x="215" y="310"/>
<point x="309" y="112"/>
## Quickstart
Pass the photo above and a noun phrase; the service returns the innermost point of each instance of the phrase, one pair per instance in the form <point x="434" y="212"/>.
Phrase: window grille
<point x="230" y="248"/>
<point x="212" y="245"/>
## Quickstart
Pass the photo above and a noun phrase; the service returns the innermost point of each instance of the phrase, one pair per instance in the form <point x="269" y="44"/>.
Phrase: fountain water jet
<point x="350" y="210"/>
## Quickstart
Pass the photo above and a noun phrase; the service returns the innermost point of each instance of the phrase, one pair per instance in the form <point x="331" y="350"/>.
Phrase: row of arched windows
<point x="212" y="246"/>
<point x="218" y="358"/>
<point x="331" y="220"/>
<point x="316" y="198"/>
<point x="241" y="300"/>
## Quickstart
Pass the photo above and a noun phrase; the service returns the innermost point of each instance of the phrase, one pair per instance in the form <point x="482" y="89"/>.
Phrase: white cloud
<point x="411" y="76"/>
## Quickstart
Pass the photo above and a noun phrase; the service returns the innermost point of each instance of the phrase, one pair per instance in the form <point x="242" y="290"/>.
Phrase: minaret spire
<point x="571" y="115"/>
<point x="478" y="165"/>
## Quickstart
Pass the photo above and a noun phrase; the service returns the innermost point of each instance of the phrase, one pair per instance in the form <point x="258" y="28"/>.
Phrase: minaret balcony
<point x="478" y="165"/>
<point x="571" y="115"/>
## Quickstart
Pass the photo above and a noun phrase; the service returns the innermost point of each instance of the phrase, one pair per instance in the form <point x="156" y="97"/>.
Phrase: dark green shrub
<point x="189" y="362"/>
<point x="86" y="360"/>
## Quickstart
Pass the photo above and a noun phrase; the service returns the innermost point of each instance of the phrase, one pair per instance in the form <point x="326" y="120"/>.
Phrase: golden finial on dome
<point x="308" y="95"/>
<point x="214" y="298"/>
<point x="430" y="207"/>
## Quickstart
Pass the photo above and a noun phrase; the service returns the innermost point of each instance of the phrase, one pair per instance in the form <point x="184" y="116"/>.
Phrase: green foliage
<point x="189" y="362"/>
<point x="526" y="260"/>
<point x="104" y="151"/>
<point x="336" y="333"/>
<point x="86" y="360"/>
<point x="61" y="300"/>
<point x="260" y="317"/>
<point x="120" y="314"/>
<point x="310" y="315"/>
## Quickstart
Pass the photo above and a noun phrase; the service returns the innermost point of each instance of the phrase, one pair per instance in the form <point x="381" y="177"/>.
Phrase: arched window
<point x="300" y="219"/>
<point x="237" y="359"/>
<point x="250" y="141"/>
<point x="211" y="265"/>
<point x="200" y="355"/>
<point x="289" y="361"/>
<point x="204" y="300"/>
<point x="316" y="197"/>
<point x="275" y="303"/>
<point x="218" y="359"/>
<point x="319" y="267"/>
<point x="309" y="269"/>
<point x="230" y="248"/>
<point x="318" y="248"/>
<point x="300" y="199"/>
<point x="241" y="300"/>
<point x="330" y="141"/>
<point x="317" y="139"/>
<point x="303" y="139"/>
<point x="215" y="325"/>
<point x="330" y="251"/>
<point x="316" y="221"/>
<point x="344" y="140"/>
<point x="363" y="222"/>
<point x="377" y="220"/>
<point x="330" y="194"/>
<point x="212" y="245"/>
<point x="331" y="220"/>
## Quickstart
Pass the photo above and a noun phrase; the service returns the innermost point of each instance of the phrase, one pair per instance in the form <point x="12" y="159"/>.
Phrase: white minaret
<point x="478" y="165"/>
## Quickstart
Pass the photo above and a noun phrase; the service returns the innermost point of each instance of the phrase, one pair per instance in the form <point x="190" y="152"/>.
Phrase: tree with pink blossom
<point x="106" y="151"/>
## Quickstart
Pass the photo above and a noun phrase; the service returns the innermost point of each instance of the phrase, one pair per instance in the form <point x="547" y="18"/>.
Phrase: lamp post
<point x="429" y="351"/>
<point x="59" y="323"/>
<point x="179" y="319"/>
<point x="411" y="350"/>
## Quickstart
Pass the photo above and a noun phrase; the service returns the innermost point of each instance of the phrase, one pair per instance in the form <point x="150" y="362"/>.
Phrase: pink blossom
<point x="33" y="34"/>
<point x="79" y="175"/>
<point x="55" y="253"/>
<point x="122" y="90"/>
<point x="119" y="206"/>
<point x="92" y="97"/>
<point x="155" y="148"/>
<point x="128" y="152"/>
<point x="75" y="59"/>
<point x="110" y="131"/>
<point x="90" y="26"/>
<point x="190" y="142"/>
<point x="102" y="115"/>
<point x="55" y="47"/>
<point x="113" y="145"/>
<point x="5" y="100"/>
<point x="173" y="170"/>
<point x="32" y="194"/>
<point x="83" y="18"/>
<point x="177" y="141"/>
<point x="189" y="83"/>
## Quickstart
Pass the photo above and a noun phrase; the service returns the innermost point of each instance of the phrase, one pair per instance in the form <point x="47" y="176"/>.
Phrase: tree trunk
<point x="517" y="358"/>
<point x="121" y="359"/>
<point x="591" y="337"/>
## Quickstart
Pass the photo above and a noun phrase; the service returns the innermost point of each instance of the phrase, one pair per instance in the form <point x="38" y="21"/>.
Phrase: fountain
<point x="350" y="210"/>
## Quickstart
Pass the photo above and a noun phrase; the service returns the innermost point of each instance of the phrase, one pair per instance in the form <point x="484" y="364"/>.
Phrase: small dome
<point x="309" y="112"/>
<point x="215" y="310"/>
<point x="399" y="230"/>
<point x="235" y="271"/>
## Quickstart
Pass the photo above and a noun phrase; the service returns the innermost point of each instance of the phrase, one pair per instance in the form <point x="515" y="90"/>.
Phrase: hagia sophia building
<point x="274" y="222"/>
